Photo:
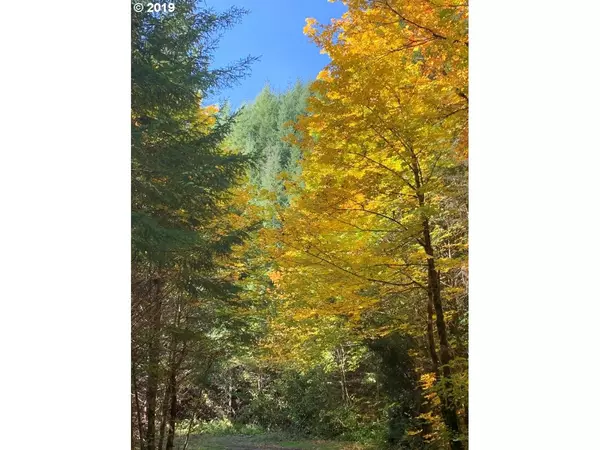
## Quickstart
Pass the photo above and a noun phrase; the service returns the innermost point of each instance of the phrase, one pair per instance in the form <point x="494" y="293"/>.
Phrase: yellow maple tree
<point x="385" y="148"/>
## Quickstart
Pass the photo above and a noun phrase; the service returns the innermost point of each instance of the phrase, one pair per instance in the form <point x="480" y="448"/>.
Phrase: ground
<point x="271" y="441"/>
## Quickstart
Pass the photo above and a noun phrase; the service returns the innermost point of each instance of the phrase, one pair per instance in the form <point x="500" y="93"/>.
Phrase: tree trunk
<point x="173" y="395"/>
<point x="449" y="412"/>
<point x="434" y="293"/>
<point x="189" y="430"/>
<point x="342" y="366"/>
<point x="153" y="367"/>
<point x="430" y="337"/>
<point x="424" y="408"/>
<point x="169" y="389"/>
<point x="172" y="410"/>
<point x="230" y="394"/>
<point x="163" y="419"/>
<point x="137" y="407"/>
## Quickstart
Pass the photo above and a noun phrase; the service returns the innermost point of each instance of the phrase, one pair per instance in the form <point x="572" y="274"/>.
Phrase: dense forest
<point x="299" y="264"/>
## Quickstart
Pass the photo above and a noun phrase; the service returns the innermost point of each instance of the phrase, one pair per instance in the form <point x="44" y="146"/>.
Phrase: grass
<point x="224" y="435"/>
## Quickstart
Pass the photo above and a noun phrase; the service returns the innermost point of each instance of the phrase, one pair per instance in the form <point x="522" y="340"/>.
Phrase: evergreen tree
<point x="261" y="130"/>
<point x="181" y="182"/>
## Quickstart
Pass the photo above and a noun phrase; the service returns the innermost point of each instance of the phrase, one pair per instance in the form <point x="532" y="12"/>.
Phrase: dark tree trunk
<point x="138" y="410"/>
<point x="172" y="409"/>
<point x="449" y="412"/>
<point x="434" y="293"/>
<point x="172" y="389"/>
<point x="189" y="430"/>
<point x="167" y="399"/>
<point x="163" y="419"/>
<point x="172" y="384"/>
<point x="153" y="367"/>
<point x="424" y="408"/>
<point x="430" y="336"/>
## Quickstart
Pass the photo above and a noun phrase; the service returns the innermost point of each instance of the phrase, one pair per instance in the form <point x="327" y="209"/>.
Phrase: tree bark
<point x="163" y="419"/>
<point x="173" y="395"/>
<point x="153" y="366"/>
<point x="430" y="337"/>
<point x="424" y="408"/>
<point x="171" y="390"/>
<point x="138" y="412"/>
<point x="172" y="410"/>
<point x="342" y="366"/>
<point x="449" y="412"/>
<point x="189" y="430"/>
<point x="434" y="293"/>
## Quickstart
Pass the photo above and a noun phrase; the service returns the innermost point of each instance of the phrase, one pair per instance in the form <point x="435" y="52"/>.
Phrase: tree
<point x="302" y="263"/>
<point x="181" y="181"/>
<point x="385" y="157"/>
<point x="259" y="132"/>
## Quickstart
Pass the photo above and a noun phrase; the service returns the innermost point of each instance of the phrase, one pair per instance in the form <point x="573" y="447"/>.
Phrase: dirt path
<point x="259" y="442"/>
<point x="235" y="443"/>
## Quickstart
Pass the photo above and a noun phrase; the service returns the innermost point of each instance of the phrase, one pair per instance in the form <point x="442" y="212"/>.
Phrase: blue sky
<point x="273" y="31"/>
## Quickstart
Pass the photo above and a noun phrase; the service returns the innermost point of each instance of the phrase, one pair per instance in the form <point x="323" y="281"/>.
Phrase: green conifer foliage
<point x="260" y="132"/>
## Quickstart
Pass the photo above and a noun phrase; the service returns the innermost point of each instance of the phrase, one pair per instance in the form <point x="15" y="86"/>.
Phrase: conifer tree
<point x="260" y="132"/>
<point x="181" y="180"/>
